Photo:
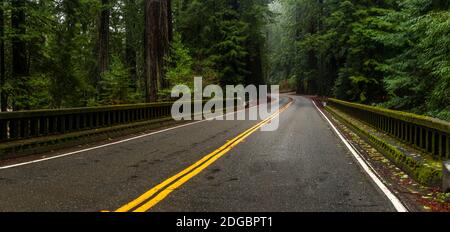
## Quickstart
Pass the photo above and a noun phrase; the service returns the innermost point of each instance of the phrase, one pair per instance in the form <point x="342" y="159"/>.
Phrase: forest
<point x="77" y="53"/>
<point x="389" y="53"/>
<point x="87" y="53"/>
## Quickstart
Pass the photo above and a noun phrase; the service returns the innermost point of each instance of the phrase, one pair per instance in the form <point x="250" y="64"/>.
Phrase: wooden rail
<point x="31" y="124"/>
<point x="427" y="134"/>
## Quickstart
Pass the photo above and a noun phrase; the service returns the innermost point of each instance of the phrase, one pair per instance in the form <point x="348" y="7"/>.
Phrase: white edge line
<point x="121" y="141"/>
<point x="391" y="196"/>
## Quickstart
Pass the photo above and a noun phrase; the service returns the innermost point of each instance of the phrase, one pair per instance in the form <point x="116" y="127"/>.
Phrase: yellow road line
<point x="156" y="189"/>
<point x="192" y="170"/>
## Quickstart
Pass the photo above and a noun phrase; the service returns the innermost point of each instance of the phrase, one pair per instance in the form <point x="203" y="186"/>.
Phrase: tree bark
<point x="130" y="50"/>
<point x="3" y="96"/>
<point x="19" y="49"/>
<point x="103" y="41"/>
<point x="170" y="21"/>
<point x="156" y="45"/>
<point x="166" y="39"/>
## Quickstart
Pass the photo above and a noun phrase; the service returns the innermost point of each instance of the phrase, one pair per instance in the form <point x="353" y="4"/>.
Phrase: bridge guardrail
<point x="430" y="135"/>
<point x="38" y="123"/>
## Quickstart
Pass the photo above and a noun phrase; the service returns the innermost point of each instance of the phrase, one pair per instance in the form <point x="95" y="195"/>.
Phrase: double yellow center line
<point x="155" y="195"/>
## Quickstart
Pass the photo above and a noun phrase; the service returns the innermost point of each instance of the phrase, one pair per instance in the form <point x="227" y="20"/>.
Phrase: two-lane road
<point x="303" y="166"/>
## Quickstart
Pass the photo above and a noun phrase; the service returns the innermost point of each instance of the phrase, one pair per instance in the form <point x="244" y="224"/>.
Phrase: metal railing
<point x="38" y="123"/>
<point x="430" y="135"/>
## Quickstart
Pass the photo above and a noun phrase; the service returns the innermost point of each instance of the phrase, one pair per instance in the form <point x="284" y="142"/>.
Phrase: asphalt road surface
<point x="303" y="166"/>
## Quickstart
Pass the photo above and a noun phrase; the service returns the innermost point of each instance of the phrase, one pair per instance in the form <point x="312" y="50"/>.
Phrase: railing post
<point x="389" y="126"/>
<point x="97" y="119"/>
<point x="34" y="127"/>
<point x="43" y="126"/>
<point x="83" y="123"/>
<point x="13" y="129"/>
<point x="392" y="126"/>
<point x="62" y="120"/>
<point x="416" y="136"/>
<point x="395" y="127"/>
<point x="77" y="121"/>
<point x="377" y="125"/>
<point x="108" y="118"/>
<point x="70" y="123"/>
<point x="408" y="126"/>
<point x="23" y="128"/>
<point x="403" y="132"/>
<point x="3" y="130"/>
<point x="407" y="134"/>
<point x="421" y="137"/>
<point x="433" y="143"/>
<point x="111" y="117"/>
<point x="91" y="120"/>
<point x="447" y="138"/>
<point x="54" y="124"/>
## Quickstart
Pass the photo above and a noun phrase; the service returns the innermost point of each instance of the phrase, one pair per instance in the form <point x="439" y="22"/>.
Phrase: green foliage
<point x="417" y="76"/>
<point x="392" y="53"/>
<point x="224" y="38"/>
<point x="424" y="169"/>
<point x="115" y="84"/>
<point x="230" y="52"/>
<point x="220" y="40"/>
<point x="180" y="70"/>
<point x="395" y="53"/>
<point x="180" y="67"/>
<point x="288" y="84"/>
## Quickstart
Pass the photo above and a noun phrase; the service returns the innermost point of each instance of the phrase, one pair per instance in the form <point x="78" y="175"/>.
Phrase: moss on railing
<point x="430" y="135"/>
<point x="404" y="116"/>
<point x="425" y="171"/>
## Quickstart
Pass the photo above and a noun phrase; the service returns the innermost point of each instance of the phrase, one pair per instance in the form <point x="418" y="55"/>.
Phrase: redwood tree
<point x="103" y="40"/>
<point x="157" y="37"/>
<point x="3" y="98"/>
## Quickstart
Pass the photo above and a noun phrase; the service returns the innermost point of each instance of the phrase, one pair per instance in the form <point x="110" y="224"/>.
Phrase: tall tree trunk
<point x="103" y="41"/>
<point x="130" y="50"/>
<point x="3" y="96"/>
<point x="166" y="40"/>
<point x="19" y="50"/>
<point x="156" y="45"/>
<point x="169" y="21"/>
